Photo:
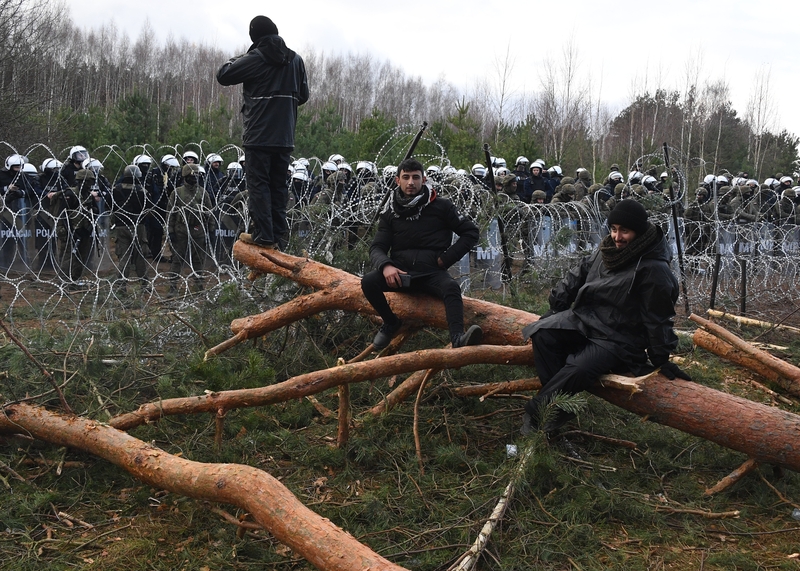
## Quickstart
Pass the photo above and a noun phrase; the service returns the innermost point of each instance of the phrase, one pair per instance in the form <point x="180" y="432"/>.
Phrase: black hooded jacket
<point x="274" y="85"/>
<point x="415" y="244"/>
<point x="629" y="311"/>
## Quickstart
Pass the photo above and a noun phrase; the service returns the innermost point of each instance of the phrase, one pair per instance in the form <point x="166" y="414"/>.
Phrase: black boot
<point x="473" y="336"/>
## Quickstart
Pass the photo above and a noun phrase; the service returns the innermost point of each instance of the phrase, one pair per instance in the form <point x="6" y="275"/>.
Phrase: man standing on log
<point x="413" y="249"/>
<point x="274" y="85"/>
<point x="609" y="314"/>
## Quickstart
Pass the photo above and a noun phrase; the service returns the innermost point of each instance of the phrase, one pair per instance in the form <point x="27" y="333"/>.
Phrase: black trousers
<point x="567" y="362"/>
<point x="269" y="192"/>
<point x="440" y="285"/>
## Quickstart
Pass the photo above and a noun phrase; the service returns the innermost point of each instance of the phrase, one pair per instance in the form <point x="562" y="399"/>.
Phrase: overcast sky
<point x="620" y="45"/>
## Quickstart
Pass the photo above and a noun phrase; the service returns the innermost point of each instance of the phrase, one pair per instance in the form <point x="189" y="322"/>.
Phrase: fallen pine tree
<point x="764" y="433"/>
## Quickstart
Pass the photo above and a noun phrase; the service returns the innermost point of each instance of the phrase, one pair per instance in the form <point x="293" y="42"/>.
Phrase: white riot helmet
<point x="555" y="169"/>
<point x="191" y="155"/>
<point x="432" y="169"/>
<point x="241" y="160"/>
<point x="15" y="161"/>
<point x="133" y="171"/>
<point x="785" y="179"/>
<point x="501" y="171"/>
<point x="478" y="170"/>
<point x="142" y="160"/>
<point x="213" y="158"/>
<point x="522" y="161"/>
<point x="300" y="174"/>
<point x="30" y="169"/>
<point x="343" y="166"/>
<point x="233" y="167"/>
<point x="449" y="169"/>
<point x="389" y="171"/>
<point x="752" y="183"/>
<point x="336" y="159"/>
<point x="78" y="154"/>
<point x="51" y="164"/>
<point x="461" y="172"/>
<point x="663" y="175"/>
<point x="170" y="161"/>
<point x="500" y="162"/>
<point x="722" y="181"/>
<point x="615" y="177"/>
<point x="709" y="179"/>
<point x="367" y="166"/>
<point x="92" y="164"/>
<point x="330" y="166"/>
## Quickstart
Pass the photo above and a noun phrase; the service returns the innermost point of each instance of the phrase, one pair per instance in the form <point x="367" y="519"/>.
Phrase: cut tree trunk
<point x="318" y="381"/>
<point x="747" y="321"/>
<point x="765" y="433"/>
<point x="309" y="535"/>
<point x="714" y="344"/>
<point x="340" y="290"/>
<point x="789" y="375"/>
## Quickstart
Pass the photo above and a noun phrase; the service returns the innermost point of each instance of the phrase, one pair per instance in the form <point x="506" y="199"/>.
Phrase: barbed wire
<point x="80" y="258"/>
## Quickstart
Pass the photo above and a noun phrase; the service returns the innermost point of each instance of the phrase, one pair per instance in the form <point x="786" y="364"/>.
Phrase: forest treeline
<point x="61" y="85"/>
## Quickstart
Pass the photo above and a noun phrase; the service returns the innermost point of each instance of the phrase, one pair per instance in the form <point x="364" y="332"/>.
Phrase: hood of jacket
<point x="274" y="50"/>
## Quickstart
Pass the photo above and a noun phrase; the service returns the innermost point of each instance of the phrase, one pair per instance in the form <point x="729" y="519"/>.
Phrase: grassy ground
<point x="583" y="503"/>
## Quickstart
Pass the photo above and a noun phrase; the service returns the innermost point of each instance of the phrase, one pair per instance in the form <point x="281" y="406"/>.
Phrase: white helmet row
<point x="142" y="160"/>
<point x="170" y="161"/>
<point x="29" y="168"/>
<point x="191" y="155"/>
<point x="213" y="158"/>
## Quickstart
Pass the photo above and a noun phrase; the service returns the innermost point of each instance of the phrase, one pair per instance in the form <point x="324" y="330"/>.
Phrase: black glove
<point x="672" y="371"/>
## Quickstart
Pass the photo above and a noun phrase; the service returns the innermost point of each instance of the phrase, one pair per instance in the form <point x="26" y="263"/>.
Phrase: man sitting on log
<point x="412" y="250"/>
<point x="609" y="314"/>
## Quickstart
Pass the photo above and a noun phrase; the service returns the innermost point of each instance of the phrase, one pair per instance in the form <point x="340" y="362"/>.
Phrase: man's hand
<point x="671" y="371"/>
<point x="392" y="276"/>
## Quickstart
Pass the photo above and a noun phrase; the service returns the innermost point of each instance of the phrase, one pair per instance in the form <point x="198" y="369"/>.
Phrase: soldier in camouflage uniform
<point x="583" y="183"/>
<point x="189" y="223"/>
<point x="130" y="205"/>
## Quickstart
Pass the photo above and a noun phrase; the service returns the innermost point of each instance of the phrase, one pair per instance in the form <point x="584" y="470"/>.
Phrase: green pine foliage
<point x="582" y="502"/>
